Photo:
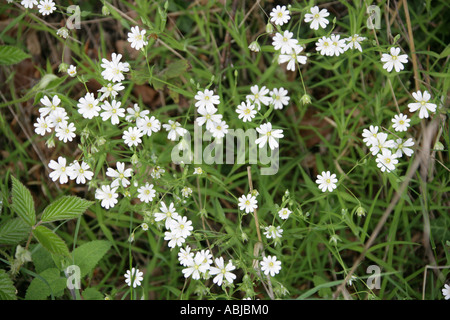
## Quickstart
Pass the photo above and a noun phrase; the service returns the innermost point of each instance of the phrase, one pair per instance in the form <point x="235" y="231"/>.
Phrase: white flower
<point x="272" y="232"/>
<point x="63" y="32"/>
<point x="65" y="131"/>
<point x="185" y="256"/>
<point x="182" y="226"/>
<point x="221" y="271"/>
<point x="135" y="113"/>
<point x="207" y="257"/>
<point x="167" y="214"/>
<point x="254" y="46"/>
<point x="80" y="172"/>
<point x="337" y="44"/>
<point x="402" y="147"/>
<point x="246" y="111"/>
<point x="401" y="122"/>
<point x="198" y="170"/>
<point x="280" y="98"/>
<point x="279" y="15"/>
<point x="157" y="172"/>
<point x="317" y="18"/>
<point x="107" y="195"/>
<point x="72" y="71"/>
<point x="113" y="111"/>
<point x="148" y="125"/>
<point x="110" y="90"/>
<point x="175" y="130"/>
<point x="88" y="106"/>
<point x="60" y="170"/>
<point x="284" y="213"/>
<point x="137" y="38"/>
<point x="114" y="68"/>
<point x="326" y="181"/>
<point x="446" y="292"/>
<point x="146" y="193"/>
<point x="58" y="117"/>
<point x="206" y="99"/>
<point x="284" y="42"/>
<point x="259" y="96"/>
<point x="323" y="45"/>
<point x="381" y="144"/>
<point x="386" y="161"/>
<point x="350" y="281"/>
<point x="42" y="126"/>
<point x="50" y="106"/>
<point x="208" y="116"/>
<point x="268" y="135"/>
<point x="292" y="58"/>
<point x="370" y="136"/>
<point x="248" y="203"/>
<point x="422" y="104"/>
<point x="46" y="7"/>
<point x="29" y="3"/>
<point x="394" y="60"/>
<point x="120" y="175"/>
<point x="144" y="226"/>
<point x="270" y="265"/>
<point x="219" y="129"/>
<point x="195" y="267"/>
<point x="186" y="192"/>
<point x="132" y="136"/>
<point x="174" y="239"/>
<point x="353" y="42"/>
<point x="134" y="276"/>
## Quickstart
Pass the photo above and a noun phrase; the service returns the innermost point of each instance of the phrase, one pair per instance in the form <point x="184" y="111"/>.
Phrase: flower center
<point x="316" y="16"/>
<point x="113" y="110"/>
<point x="247" y="202"/>
<point x="328" y="181"/>
<point x="81" y="171"/>
<point x="423" y="103"/>
<point x="247" y="111"/>
<point x="401" y="122"/>
<point x="219" y="128"/>
<point x="207" y="98"/>
<point x="280" y="14"/>
<point x="394" y="57"/>
<point x="388" y="160"/>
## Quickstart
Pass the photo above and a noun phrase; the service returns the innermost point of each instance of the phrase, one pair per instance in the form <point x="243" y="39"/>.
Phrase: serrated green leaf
<point x="7" y="289"/>
<point x="54" y="284"/>
<point x="22" y="202"/>
<point x="89" y="254"/>
<point x="50" y="241"/>
<point x="11" y="55"/>
<point x="13" y="231"/>
<point x="67" y="207"/>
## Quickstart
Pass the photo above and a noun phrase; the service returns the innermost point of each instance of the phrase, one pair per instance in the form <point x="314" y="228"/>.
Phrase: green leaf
<point x="49" y="283"/>
<point x="89" y="254"/>
<point x="22" y="202"/>
<point x="13" y="231"/>
<point x="50" y="241"/>
<point x="92" y="294"/>
<point x="67" y="207"/>
<point x="7" y="289"/>
<point x="11" y="55"/>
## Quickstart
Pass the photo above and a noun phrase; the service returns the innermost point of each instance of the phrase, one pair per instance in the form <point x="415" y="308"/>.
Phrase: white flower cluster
<point x="54" y="117"/>
<point x="45" y="7"/>
<point x="388" y="151"/>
